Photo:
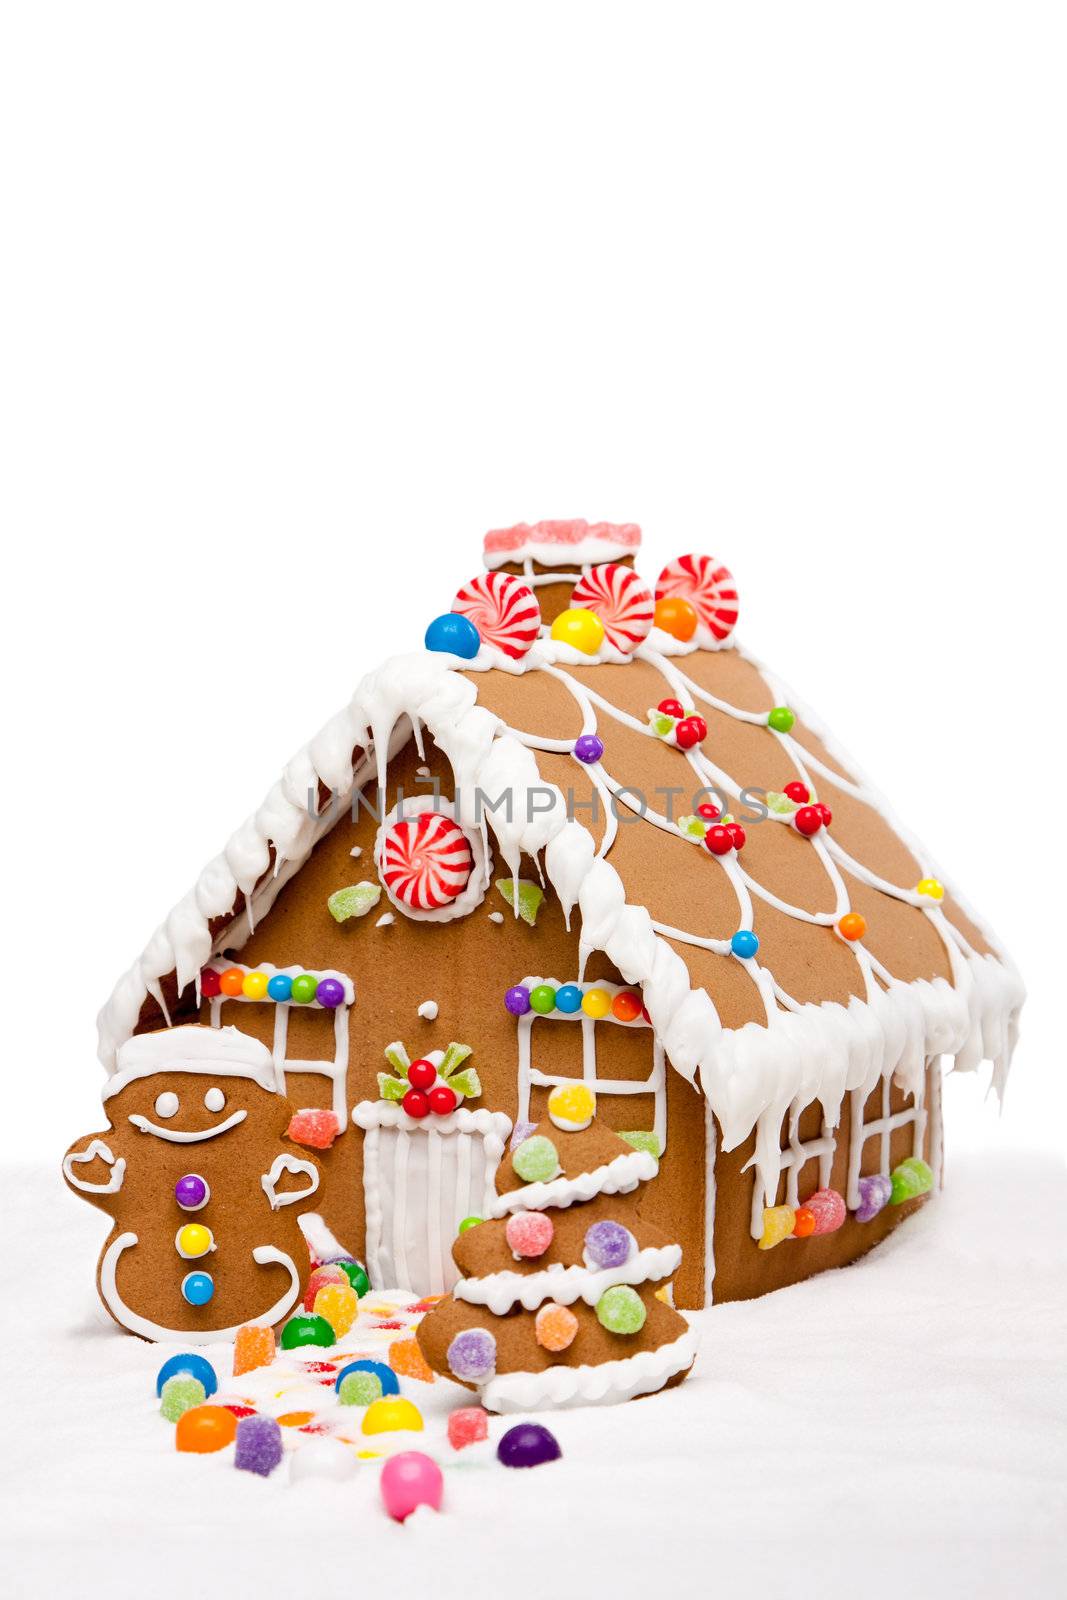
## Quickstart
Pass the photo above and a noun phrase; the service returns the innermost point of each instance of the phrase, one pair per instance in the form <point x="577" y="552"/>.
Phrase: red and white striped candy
<point x="621" y="601"/>
<point x="708" y="586"/>
<point x="426" y="861"/>
<point x="503" y="609"/>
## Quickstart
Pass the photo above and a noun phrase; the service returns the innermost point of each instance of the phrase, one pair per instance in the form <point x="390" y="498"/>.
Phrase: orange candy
<point x="253" y="1347"/>
<point x="232" y="981"/>
<point x="406" y="1358"/>
<point x="205" y="1428"/>
<point x="555" y="1327"/>
<point x="804" y="1226"/>
<point x="676" y="617"/>
<point x="295" y="1419"/>
<point x="339" y="1304"/>
<point x="626" y="1006"/>
<point x="852" y="925"/>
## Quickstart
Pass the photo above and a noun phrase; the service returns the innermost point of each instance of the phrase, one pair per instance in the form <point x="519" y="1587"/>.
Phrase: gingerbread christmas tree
<point x="564" y="1297"/>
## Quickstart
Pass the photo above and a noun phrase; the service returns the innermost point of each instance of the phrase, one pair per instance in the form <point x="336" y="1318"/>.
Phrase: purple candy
<point x="528" y="1444"/>
<point x="608" y="1244"/>
<point x="517" y="1000"/>
<point x="589" y="748"/>
<point x="191" y="1192"/>
<point x="329" y="993"/>
<point x="259" y="1445"/>
<point x="874" y="1196"/>
<point x="472" y="1354"/>
<point x="520" y="1133"/>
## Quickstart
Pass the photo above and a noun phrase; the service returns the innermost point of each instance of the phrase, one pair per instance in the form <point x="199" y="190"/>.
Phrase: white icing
<point x="167" y="1104"/>
<point x="500" y="1291"/>
<point x="386" y="920"/>
<point x="323" y="1244"/>
<point x="496" y="916"/>
<point x="177" y="1136"/>
<point x="145" y="1329"/>
<point x="618" y="1176"/>
<point x="96" y="1147"/>
<point x="214" y="1100"/>
<point x="295" y="1165"/>
<point x="428" y="1010"/>
<point x="611" y="1381"/>
<point x="191" y="1048"/>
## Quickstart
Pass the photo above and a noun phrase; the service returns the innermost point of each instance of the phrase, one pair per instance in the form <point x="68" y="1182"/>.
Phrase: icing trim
<point x="618" y="1176"/>
<point x="193" y="1047"/>
<point x="96" y="1147"/>
<point x="145" y="1329"/>
<point x="389" y="1114"/>
<point x="175" y="1136"/>
<point x="604" y="1384"/>
<point x="500" y="1291"/>
<point x="293" y="1164"/>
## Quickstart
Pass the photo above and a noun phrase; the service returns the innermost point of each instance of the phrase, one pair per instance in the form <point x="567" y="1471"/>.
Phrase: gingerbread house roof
<point x="811" y="1014"/>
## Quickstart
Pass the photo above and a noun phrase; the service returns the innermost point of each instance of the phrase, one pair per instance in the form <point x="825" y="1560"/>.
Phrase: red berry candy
<point x="671" y="708"/>
<point x="416" y="1104"/>
<point x="808" y="821"/>
<point x="709" y="812"/>
<point x="737" y="834"/>
<point x="422" y="1074"/>
<point x="443" y="1100"/>
<point x="718" y="840"/>
<point x="826" y="814"/>
<point x="798" y="791"/>
<point x="690" y="731"/>
<point x="209" y="983"/>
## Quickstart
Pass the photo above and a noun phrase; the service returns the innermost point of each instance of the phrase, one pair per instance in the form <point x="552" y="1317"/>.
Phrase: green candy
<point x="356" y="1273"/>
<point x="620" y="1310"/>
<point x="300" y="1331"/>
<point x="360" y="1389"/>
<point x="643" y="1141"/>
<point x="543" y="999"/>
<point x="304" y="988"/>
<point x="470" y="1222"/>
<point x="911" y="1179"/>
<point x="529" y="898"/>
<point x="355" y="901"/>
<point x="781" y="719"/>
<point x="536" y="1160"/>
<point x="179" y="1395"/>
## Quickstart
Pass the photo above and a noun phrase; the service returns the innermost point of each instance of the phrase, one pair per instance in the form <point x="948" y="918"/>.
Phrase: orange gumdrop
<point x="406" y="1358"/>
<point x="804" y="1226"/>
<point x="676" y="617"/>
<point x="852" y="925"/>
<point x="253" y="1347"/>
<point x="626" y="1006"/>
<point x="205" y="1428"/>
<point x="555" y="1327"/>
<point x="232" y="981"/>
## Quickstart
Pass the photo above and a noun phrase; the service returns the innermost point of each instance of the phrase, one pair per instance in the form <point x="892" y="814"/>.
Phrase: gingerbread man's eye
<point x="214" y="1100"/>
<point x="167" y="1104"/>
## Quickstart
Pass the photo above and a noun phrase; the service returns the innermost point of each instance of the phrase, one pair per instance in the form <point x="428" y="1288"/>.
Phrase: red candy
<point x="737" y="834"/>
<point x="690" y="731"/>
<point x="798" y="791"/>
<point x="671" y="708"/>
<point x="826" y="814"/>
<point x="422" y="1074"/>
<point x="707" y="586"/>
<point x="529" y="1233"/>
<point x="316" y="1129"/>
<point x="467" y="1426"/>
<point x="718" y="840"/>
<point x="828" y="1209"/>
<point x="210" y="985"/>
<point x="426" y="861"/>
<point x="318" y="1280"/>
<point x="416" y="1104"/>
<point x="708" y="812"/>
<point x="617" y="596"/>
<point x="808" y="821"/>
<point x="443" y="1100"/>
<point x="503" y="609"/>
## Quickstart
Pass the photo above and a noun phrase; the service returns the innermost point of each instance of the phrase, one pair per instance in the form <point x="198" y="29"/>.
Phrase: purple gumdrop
<point x="329" y="993"/>
<point x="259" y="1445"/>
<point x="874" y="1196"/>
<point x="472" y="1354"/>
<point x="517" y="1000"/>
<point x="589" y="748"/>
<point x="528" y="1444"/>
<point x="191" y="1192"/>
<point x="520" y="1133"/>
<point x="608" y="1244"/>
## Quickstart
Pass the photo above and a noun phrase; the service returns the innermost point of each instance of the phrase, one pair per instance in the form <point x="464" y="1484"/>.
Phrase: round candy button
<point x="192" y="1192"/>
<point x="194" y="1240"/>
<point x="197" y="1288"/>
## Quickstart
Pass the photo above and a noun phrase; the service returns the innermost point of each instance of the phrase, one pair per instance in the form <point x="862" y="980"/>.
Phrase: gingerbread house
<point x="583" y="839"/>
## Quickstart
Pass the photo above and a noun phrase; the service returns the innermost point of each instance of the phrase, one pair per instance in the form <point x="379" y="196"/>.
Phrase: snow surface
<point x="898" y="1427"/>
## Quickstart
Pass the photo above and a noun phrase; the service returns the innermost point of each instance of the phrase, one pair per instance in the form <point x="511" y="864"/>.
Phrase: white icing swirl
<point x="500" y="1291"/>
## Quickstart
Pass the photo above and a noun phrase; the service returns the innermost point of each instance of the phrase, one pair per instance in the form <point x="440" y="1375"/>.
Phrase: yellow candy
<point x="390" y="1416"/>
<point x="930" y="888"/>
<point x="254" y="986"/>
<point x="666" y="1294"/>
<point x="582" y="630"/>
<point x="778" y="1224"/>
<point x="194" y="1240"/>
<point x="596" y="1003"/>
<point x="339" y="1304"/>
<point x="572" y="1106"/>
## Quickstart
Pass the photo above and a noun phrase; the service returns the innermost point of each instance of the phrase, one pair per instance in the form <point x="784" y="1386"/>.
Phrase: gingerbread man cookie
<point x="205" y="1193"/>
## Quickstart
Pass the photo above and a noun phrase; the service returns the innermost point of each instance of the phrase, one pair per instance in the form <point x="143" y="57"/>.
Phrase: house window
<point x="796" y="1154"/>
<point x="587" y="1030"/>
<point x="882" y="1127"/>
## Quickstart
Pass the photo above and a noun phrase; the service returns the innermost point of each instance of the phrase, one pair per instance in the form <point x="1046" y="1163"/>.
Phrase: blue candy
<point x="453" y="635"/>
<point x="198" y="1287"/>
<point x="569" y="998"/>
<point x="744" y="944"/>
<point x="189" y="1366"/>
<point x="280" y="986"/>
<point x="384" y="1374"/>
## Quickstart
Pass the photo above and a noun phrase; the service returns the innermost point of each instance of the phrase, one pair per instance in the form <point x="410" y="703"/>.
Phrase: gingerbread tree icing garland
<point x="564" y="1294"/>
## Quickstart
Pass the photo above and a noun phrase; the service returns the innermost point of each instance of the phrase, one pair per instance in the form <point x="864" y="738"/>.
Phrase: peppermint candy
<point x="503" y="609"/>
<point x="708" y="586"/>
<point x="617" y="596"/>
<point x="426" y="861"/>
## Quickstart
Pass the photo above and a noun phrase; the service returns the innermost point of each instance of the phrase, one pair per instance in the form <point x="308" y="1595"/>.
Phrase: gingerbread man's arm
<point x="92" y="1169"/>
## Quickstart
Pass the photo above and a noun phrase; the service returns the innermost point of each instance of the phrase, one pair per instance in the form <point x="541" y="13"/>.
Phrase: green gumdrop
<point x="781" y="719"/>
<point x="780" y="804"/>
<point x="356" y="1273"/>
<point x="661" y="725"/>
<point x="470" y="1222"/>
<point x="467" y="1083"/>
<point x="530" y="897"/>
<point x="179" y="1395"/>
<point x="300" y="1331"/>
<point x="693" y="827"/>
<point x="536" y="1160"/>
<point x="621" y="1310"/>
<point x="454" y="1056"/>
<point x="304" y="989"/>
<point x="360" y="1389"/>
<point x="643" y="1141"/>
<point x="398" y="1058"/>
<point x="392" y="1088"/>
<point x="912" y="1178"/>
<point x="355" y="901"/>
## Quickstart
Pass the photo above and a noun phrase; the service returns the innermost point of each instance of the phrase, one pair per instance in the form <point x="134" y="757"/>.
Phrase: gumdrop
<point x="406" y="1358"/>
<point x="912" y="1178"/>
<point x="339" y="1304"/>
<point x="189" y="1365"/>
<point x="180" y="1394"/>
<point x="778" y="1224"/>
<point x="875" y="1194"/>
<point x="467" y="1426"/>
<point x="319" y="1279"/>
<point x="385" y="1375"/>
<point x="259" y="1445"/>
<point x="608" y="1244"/>
<point x="828" y="1208"/>
<point x="315" y="1129"/>
<point x="529" y="1234"/>
<point x="205" y="1429"/>
<point x="472" y="1354"/>
<point x="621" y="1310"/>
<point x="410" y="1480"/>
<point x="359" y="1389"/>
<point x="253" y="1347"/>
<point x="555" y="1327"/>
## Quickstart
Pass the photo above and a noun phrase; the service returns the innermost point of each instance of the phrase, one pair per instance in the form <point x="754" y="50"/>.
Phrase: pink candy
<point x="503" y="609"/>
<point x="467" y="1426"/>
<point x="410" y="1480"/>
<point x="618" y="597"/>
<point x="828" y="1208"/>
<point x="315" y="1129"/>
<point x="529" y="1233"/>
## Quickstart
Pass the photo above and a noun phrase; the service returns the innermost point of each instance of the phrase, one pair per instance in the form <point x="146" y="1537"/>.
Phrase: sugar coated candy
<point x="778" y="1224"/>
<point x="316" y="1130"/>
<point x="571" y="1106"/>
<point x="180" y="1394"/>
<point x="621" y="1310"/>
<point x="528" y="1444"/>
<point x="529" y="1234"/>
<point x="467" y="1426"/>
<point x="912" y="1178"/>
<point x="259" y="1445"/>
<point x="333" y="1273"/>
<point x="392" y="1416"/>
<point x="875" y="1194"/>
<point x="555" y="1327"/>
<point x="356" y="1273"/>
<point x="190" y="1365"/>
<point x="410" y="1480"/>
<point x="253" y="1346"/>
<point x="205" y="1429"/>
<point x="339" y="1304"/>
<point x="536" y="1160"/>
<point x="385" y="1375"/>
<point x="359" y="1389"/>
<point x="301" y="1331"/>
<point x="472" y="1355"/>
<point x="828" y="1208"/>
<point x="608" y="1244"/>
<point x="405" y="1357"/>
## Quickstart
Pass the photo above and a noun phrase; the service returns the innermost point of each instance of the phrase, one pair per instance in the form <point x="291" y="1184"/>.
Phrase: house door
<point x="420" y="1179"/>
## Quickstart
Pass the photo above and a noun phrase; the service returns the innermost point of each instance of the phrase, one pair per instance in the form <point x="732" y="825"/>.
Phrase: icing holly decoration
<point x="618" y="597"/>
<point x="676" y="726"/>
<point x="503" y="609"/>
<point x="426" y="861"/>
<point x="709" y="588"/>
<point x="432" y="1085"/>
